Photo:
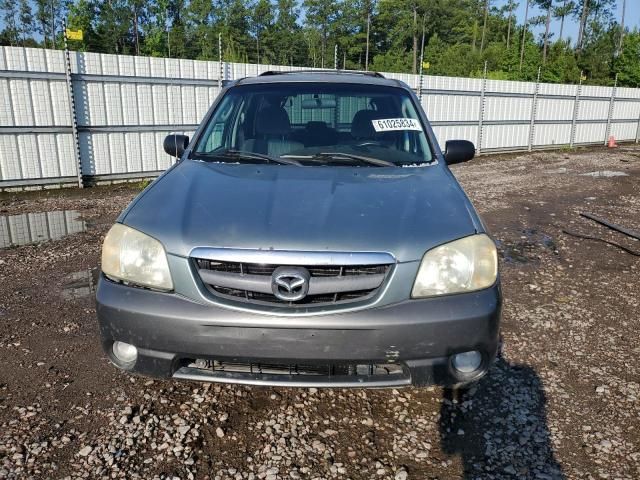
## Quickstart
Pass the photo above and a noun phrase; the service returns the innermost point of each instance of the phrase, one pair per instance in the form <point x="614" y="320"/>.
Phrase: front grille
<point x="251" y="282"/>
<point x="316" y="271"/>
<point x="310" y="299"/>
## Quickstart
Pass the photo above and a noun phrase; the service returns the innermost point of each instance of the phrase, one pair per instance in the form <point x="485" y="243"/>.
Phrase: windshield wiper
<point x="239" y="155"/>
<point x="342" y="156"/>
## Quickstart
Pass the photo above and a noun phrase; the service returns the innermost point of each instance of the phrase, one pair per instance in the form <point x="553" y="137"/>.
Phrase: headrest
<point x="361" y="126"/>
<point x="273" y="121"/>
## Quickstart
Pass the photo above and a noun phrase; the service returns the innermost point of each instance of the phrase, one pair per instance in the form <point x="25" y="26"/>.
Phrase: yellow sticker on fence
<point x="74" y="34"/>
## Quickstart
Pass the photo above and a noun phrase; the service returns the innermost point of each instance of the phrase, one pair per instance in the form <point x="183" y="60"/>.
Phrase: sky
<point x="632" y="17"/>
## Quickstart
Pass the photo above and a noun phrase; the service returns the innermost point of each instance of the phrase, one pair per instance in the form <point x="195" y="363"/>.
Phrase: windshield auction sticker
<point x="394" y="124"/>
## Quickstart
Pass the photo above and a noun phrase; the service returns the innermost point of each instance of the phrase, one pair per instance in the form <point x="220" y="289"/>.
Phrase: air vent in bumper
<point x="319" y="375"/>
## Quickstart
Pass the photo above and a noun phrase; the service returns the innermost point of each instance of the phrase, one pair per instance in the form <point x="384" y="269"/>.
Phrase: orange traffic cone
<point x="612" y="142"/>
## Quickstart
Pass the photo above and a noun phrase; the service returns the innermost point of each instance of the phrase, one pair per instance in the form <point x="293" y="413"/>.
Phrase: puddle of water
<point x="525" y="249"/>
<point x="605" y="173"/>
<point x="32" y="228"/>
<point x="511" y="253"/>
<point x="80" y="284"/>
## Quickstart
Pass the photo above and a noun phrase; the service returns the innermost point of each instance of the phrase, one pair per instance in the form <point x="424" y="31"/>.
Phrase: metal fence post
<point x="221" y="68"/>
<point x="610" y="113"/>
<point x="421" y="67"/>
<point x="481" y="113"/>
<point x="534" y="110"/>
<point x="574" y="119"/>
<point x="72" y="106"/>
<point x="638" y="130"/>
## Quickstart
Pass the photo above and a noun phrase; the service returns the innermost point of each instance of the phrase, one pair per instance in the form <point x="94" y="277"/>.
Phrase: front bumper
<point x="171" y="331"/>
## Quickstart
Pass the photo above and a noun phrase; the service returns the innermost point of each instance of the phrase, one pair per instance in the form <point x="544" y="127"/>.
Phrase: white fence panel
<point x="505" y="137"/>
<point x="451" y="108"/>
<point x="33" y="102"/>
<point x="505" y="108"/>
<point x="591" y="133"/>
<point x="624" y="131"/>
<point x="125" y="102"/>
<point x="462" y="132"/>
<point x="552" y="134"/>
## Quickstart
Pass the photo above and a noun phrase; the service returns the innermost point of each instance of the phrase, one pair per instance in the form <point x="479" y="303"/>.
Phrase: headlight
<point x="464" y="265"/>
<point x="133" y="257"/>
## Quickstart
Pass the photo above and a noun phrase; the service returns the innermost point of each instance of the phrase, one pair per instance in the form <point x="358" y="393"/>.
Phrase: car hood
<point x="402" y="211"/>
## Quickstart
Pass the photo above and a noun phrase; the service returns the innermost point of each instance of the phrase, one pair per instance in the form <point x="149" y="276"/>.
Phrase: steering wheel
<point x="372" y="143"/>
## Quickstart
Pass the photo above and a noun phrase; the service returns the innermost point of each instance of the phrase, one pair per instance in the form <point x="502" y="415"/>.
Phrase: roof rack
<point x="347" y="72"/>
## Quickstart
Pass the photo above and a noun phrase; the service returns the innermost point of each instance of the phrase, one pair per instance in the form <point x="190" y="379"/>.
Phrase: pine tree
<point x="10" y="15"/>
<point x="320" y="15"/>
<point x="26" y="20"/>
<point x="262" y="18"/>
<point x="287" y="38"/>
<point x="561" y="12"/>
<point x="42" y="23"/>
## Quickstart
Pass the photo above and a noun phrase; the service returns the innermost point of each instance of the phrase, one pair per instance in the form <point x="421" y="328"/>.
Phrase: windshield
<point x="315" y="123"/>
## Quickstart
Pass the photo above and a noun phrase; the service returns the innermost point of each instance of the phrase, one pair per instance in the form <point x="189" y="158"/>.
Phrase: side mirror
<point x="175" y="144"/>
<point x="458" y="151"/>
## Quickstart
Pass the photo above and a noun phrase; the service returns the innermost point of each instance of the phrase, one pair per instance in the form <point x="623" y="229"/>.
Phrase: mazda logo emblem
<point x="290" y="284"/>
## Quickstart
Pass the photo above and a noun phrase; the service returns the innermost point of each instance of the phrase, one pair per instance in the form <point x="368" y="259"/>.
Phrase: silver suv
<point x="309" y="234"/>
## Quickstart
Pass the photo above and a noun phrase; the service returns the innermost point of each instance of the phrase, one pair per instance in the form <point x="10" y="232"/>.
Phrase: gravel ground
<point x="564" y="402"/>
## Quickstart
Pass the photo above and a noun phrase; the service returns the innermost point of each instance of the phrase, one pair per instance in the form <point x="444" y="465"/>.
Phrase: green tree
<point x="561" y="66"/>
<point x="10" y="14"/>
<point x="393" y="27"/>
<point x="26" y="20"/>
<point x="156" y="30"/>
<point x="200" y="20"/>
<point x="547" y="7"/>
<point x="455" y="60"/>
<point x="42" y="23"/>
<point x="233" y="21"/>
<point x="81" y="15"/>
<point x="561" y="12"/>
<point x="112" y="28"/>
<point x="320" y="14"/>
<point x="262" y="18"/>
<point x="139" y="15"/>
<point x="287" y="39"/>
<point x="508" y="9"/>
<point x="597" y="56"/>
<point x="628" y="63"/>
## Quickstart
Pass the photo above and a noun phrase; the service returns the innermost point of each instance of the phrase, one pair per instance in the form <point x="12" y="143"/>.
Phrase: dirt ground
<point x="564" y="402"/>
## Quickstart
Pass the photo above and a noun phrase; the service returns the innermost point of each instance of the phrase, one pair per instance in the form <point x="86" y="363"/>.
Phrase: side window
<point x="218" y="131"/>
<point x="414" y="142"/>
<point x="215" y="139"/>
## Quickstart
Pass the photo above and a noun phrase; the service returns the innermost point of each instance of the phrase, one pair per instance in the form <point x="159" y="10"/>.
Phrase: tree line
<point x="458" y="36"/>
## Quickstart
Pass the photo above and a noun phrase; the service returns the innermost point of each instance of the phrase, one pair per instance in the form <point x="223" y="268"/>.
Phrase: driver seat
<point x="272" y="133"/>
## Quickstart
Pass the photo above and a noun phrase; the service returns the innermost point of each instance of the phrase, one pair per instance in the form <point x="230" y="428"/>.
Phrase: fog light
<point x="125" y="352"/>
<point x="467" y="362"/>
